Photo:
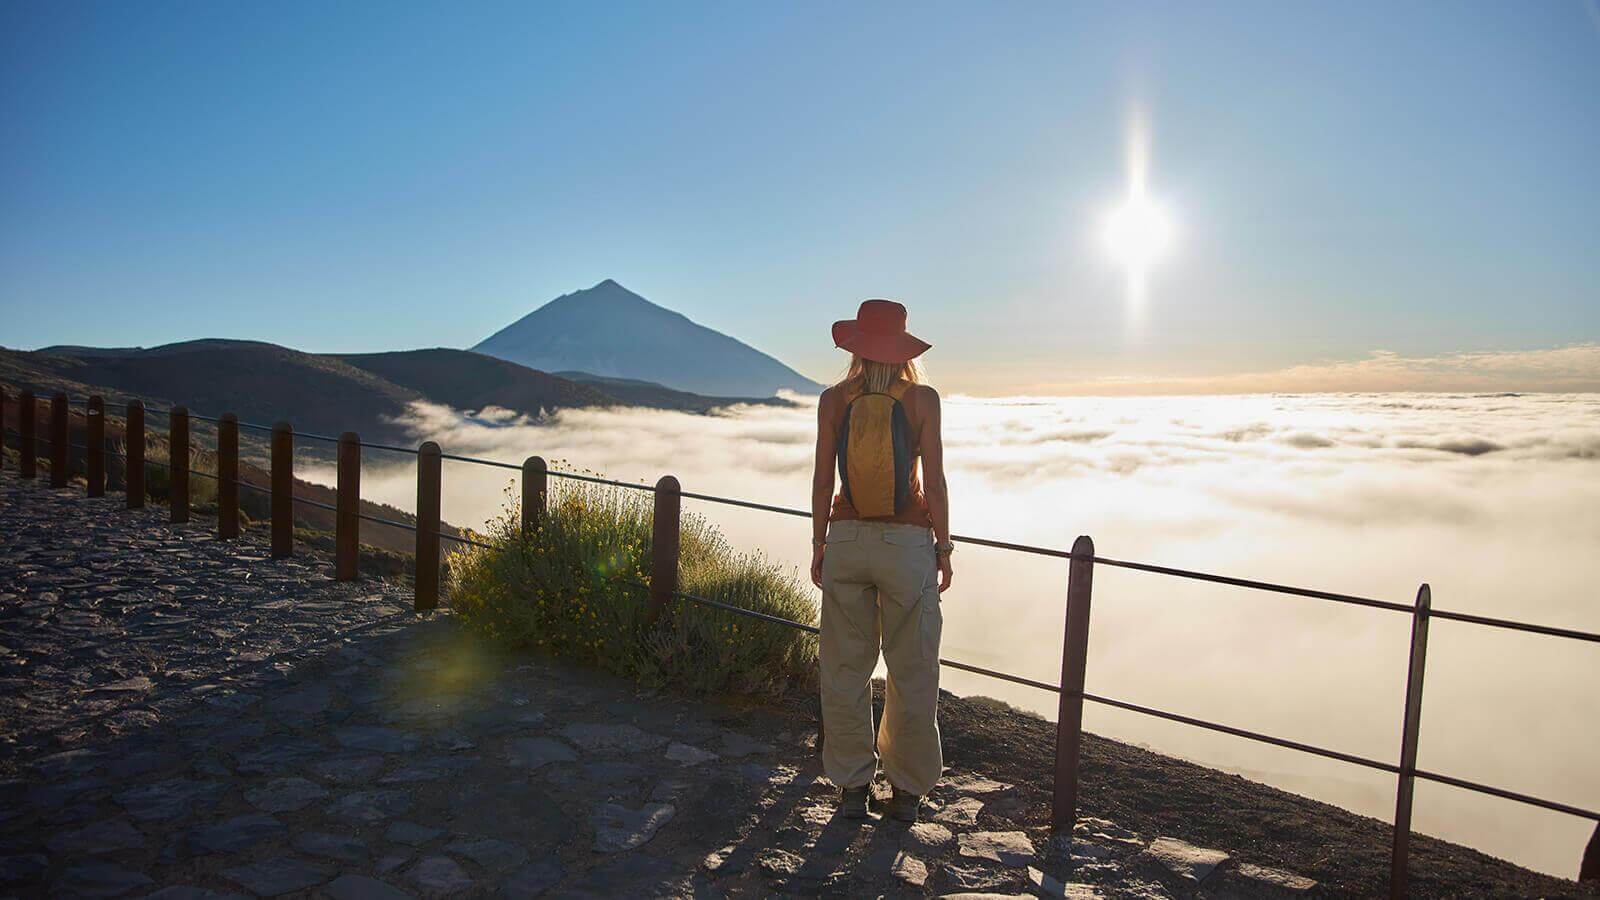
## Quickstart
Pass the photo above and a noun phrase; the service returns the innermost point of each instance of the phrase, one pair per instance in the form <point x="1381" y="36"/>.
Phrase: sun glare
<point x="1138" y="233"/>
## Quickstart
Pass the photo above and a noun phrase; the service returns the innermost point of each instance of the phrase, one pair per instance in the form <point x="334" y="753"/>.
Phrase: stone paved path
<point x="182" y="717"/>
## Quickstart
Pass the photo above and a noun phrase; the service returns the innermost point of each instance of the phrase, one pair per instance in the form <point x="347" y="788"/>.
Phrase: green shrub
<point x="571" y="588"/>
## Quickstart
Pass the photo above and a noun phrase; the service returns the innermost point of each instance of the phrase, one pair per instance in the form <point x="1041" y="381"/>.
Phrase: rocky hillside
<point x="323" y="393"/>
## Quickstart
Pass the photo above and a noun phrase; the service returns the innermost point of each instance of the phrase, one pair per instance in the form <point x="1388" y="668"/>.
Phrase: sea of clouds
<point x="1492" y="499"/>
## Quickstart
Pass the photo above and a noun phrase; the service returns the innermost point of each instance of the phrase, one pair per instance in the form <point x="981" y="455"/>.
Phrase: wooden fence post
<point x="427" y="556"/>
<point x="1408" y="744"/>
<point x="282" y="491"/>
<point x="347" y="518"/>
<point x="58" y="440"/>
<point x="535" y="477"/>
<point x="664" y="547"/>
<point x="28" y="411"/>
<point x="133" y="439"/>
<point x="178" y="463"/>
<point x="1074" y="660"/>
<point x="228" y="476"/>
<point x="94" y="442"/>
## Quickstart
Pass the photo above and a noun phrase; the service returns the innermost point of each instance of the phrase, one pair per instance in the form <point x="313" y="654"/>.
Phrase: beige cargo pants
<point x="880" y="587"/>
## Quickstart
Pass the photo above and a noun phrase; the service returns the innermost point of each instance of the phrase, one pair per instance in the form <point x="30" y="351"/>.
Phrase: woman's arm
<point x="822" y="482"/>
<point x="931" y="443"/>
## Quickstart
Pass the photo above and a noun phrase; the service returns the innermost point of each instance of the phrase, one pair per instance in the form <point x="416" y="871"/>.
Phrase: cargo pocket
<point x="843" y="530"/>
<point x="908" y="537"/>
<point x="931" y="626"/>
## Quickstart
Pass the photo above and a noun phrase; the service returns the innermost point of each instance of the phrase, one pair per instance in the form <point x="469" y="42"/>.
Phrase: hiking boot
<point x="904" y="805"/>
<point x="853" y="803"/>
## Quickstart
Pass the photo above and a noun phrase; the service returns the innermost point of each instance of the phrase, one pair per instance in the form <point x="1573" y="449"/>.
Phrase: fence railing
<point x="663" y="585"/>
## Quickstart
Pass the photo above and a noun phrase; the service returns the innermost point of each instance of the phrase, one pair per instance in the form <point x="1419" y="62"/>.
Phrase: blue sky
<point x="1417" y="178"/>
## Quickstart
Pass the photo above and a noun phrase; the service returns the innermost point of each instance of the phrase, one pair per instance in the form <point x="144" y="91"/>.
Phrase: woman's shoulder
<point x="922" y="393"/>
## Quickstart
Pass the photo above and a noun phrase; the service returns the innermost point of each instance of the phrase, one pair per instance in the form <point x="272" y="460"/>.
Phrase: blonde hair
<point x="878" y="377"/>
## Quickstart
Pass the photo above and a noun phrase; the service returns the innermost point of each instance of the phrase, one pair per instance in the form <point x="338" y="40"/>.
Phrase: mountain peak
<point x="611" y="331"/>
<point x="608" y="291"/>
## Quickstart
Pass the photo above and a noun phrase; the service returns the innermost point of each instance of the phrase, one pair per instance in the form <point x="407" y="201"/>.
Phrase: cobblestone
<point x="186" y="717"/>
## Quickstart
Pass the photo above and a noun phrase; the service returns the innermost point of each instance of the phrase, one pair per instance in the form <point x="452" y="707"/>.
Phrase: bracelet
<point x="818" y="542"/>
<point x="944" y="549"/>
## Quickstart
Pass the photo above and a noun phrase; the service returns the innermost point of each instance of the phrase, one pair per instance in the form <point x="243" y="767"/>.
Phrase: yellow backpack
<point x="875" y="453"/>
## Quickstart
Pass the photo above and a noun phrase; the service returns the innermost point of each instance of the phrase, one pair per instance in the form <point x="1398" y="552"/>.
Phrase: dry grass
<point x="571" y="589"/>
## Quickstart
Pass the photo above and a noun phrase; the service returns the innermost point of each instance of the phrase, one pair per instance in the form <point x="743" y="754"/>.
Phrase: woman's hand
<point x="816" y="564"/>
<point x="944" y="572"/>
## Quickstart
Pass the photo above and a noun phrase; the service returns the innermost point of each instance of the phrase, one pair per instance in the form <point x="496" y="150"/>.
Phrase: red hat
<point x="878" y="332"/>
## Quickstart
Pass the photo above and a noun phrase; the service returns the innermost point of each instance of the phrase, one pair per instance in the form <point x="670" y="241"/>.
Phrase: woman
<point x="881" y="554"/>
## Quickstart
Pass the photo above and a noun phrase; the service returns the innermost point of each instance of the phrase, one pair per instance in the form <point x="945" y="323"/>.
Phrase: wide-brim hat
<point x="878" y="332"/>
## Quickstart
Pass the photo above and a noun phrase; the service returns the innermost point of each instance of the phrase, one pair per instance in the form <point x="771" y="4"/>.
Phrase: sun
<point x="1138" y="233"/>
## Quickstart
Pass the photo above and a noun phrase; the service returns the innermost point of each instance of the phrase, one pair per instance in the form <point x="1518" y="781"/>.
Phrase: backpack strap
<point x="859" y="388"/>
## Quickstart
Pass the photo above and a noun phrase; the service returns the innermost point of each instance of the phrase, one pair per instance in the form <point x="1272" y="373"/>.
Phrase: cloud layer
<point x="1493" y="499"/>
<point x="1574" y="368"/>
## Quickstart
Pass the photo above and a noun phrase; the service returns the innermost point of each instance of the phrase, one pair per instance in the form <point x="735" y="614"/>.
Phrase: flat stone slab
<point x="975" y="879"/>
<point x="779" y="863"/>
<point x="618" y="828"/>
<point x="235" y="834"/>
<point x="285" y="795"/>
<point x="1008" y="848"/>
<point x="140" y="763"/>
<point x="376" y="738"/>
<point x="367" y="807"/>
<point x="909" y="869"/>
<point x="277" y="754"/>
<point x="347" y="769"/>
<point x="362" y="887"/>
<point x="490" y="853"/>
<point x="534" y="753"/>
<point x="343" y="848"/>
<point x="430" y="769"/>
<point x="1045" y="885"/>
<point x="101" y="837"/>
<point x="411" y="833"/>
<point x="929" y="838"/>
<point x="1273" y="881"/>
<point x="1184" y="860"/>
<point x="277" y="875"/>
<point x="601" y="737"/>
<point x="963" y="811"/>
<point x="975" y="784"/>
<point x="686" y="755"/>
<point x="98" y="878"/>
<point x="439" y="874"/>
<point x="137" y="685"/>
<point x="170" y="799"/>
